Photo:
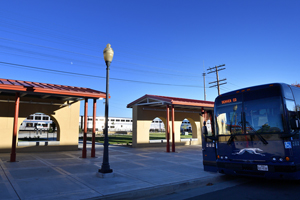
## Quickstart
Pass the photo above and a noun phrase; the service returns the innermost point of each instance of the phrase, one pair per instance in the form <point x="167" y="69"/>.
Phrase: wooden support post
<point x="173" y="131"/>
<point x="93" y="151"/>
<point x="85" y="128"/>
<point x="15" y="128"/>
<point x="168" y="129"/>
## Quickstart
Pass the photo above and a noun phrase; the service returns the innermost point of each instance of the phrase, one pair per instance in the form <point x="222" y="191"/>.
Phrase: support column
<point x="85" y="128"/>
<point x="93" y="151"/>
<point x="212" y="123"/>
<point x="173" y="131"/>
<point x="168" y="129"/>
<point x="15" y="128"/>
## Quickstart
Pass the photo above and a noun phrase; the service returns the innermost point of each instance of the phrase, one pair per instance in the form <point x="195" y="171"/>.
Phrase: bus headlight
<point x="274" y="159"/>
<point x="221" y="157"/>
<point x="226" y="157"/>
<point x="280" y="159"/>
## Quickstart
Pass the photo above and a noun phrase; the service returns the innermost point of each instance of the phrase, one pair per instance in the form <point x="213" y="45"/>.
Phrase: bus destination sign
<point x="229" y="101"/>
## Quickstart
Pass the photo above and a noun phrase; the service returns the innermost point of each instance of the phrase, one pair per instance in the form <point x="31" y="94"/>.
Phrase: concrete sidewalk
<point x="138" y="173"/>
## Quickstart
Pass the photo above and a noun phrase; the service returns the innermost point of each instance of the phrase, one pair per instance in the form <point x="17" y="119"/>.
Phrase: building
<point x="115" y="124"/>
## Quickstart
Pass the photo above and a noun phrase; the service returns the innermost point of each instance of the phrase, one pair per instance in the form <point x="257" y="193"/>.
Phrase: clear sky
<point x="168" y="43"/>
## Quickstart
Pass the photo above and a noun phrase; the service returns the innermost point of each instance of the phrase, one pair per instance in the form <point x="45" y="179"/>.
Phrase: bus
<point x="256" y="133"/>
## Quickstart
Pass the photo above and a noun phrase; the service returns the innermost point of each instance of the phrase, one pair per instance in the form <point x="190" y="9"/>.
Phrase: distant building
<point x="125" y="124"/>
<point x="114" y="124"/>
<point x="36" y="121"/>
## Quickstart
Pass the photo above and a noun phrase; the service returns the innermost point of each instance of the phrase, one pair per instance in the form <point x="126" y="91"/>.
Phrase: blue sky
<point x="166" y="42"/>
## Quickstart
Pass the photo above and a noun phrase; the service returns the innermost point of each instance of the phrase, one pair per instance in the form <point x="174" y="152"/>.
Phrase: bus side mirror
<point x="295" y="123"/>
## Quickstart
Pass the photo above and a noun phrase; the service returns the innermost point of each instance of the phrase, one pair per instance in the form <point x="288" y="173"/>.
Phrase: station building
<point x="20" y="99"/>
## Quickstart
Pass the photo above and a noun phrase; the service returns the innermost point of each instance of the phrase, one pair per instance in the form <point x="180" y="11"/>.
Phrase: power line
<point x="73" y="52"/>
<point x="59" y="35"/>
<point x="93" y="76"/>
<point x="92" y="65"/>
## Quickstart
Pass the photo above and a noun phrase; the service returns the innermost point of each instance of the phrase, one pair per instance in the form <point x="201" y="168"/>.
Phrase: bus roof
<point x="257" y="87"/>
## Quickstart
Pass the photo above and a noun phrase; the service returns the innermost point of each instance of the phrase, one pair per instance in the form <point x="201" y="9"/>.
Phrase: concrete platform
<point x="137" y="173"/>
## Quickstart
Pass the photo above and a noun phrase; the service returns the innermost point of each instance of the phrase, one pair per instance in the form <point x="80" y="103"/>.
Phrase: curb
<point x="163" y="189"/>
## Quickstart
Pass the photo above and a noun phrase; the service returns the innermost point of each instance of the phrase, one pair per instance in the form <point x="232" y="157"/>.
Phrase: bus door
<point x="209" y="145"/>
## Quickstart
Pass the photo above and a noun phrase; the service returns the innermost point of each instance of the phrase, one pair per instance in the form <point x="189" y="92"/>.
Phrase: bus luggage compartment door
<point x="209" y="155"/>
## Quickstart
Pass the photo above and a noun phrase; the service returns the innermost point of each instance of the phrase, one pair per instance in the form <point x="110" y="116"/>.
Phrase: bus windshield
<point x="263" y="115"/>
<point x="253" y="116"/>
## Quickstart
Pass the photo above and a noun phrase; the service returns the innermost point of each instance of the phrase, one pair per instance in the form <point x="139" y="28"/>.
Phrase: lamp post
<point x="108" y="54"/>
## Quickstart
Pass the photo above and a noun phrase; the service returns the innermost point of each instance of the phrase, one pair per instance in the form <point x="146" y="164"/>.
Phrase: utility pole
<point x="216" y="69"/>
<point x="204" y="86"/>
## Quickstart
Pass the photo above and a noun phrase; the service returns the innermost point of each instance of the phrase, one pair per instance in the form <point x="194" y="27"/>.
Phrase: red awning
<point x="50" y="89"/>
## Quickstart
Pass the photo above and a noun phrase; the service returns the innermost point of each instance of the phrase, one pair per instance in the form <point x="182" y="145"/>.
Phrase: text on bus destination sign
<point x="229" y="101"/>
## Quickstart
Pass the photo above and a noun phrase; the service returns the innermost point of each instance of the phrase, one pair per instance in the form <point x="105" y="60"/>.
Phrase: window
<point x="45" y="125"/>
<point x="296" y="92"/>
<point x="122" y="120"/>
<point x="45" y="118"/>
<point x="117" y="120"/>
<point x="292" y="112"/>
<point x="112" y="120"/>
<point x="101" y="119"/>
<point x="90" y="119"/>
<point x="37" y="118"/>
<point x="30" y="117"/>
<point x="112" y="127"/>
<point x="127" y="120"/>
<point x="29" y="124"/>
<point x="264" y="115"/>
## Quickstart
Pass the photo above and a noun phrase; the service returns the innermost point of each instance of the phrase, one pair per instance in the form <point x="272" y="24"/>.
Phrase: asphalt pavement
<point x="138" y="173"/>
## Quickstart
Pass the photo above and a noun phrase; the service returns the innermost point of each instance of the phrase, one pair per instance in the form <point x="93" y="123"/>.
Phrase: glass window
<point x="30" y="117"/>
<point x="292" y="112"/>
<point x="112" y="120"/>
<point x="229" y="119"/>
<point x="101" y="119"/>
<point x="117" y="120"/>
<point x="122" y="120"/>
<point x="264" y="115"/>
<point x="287" y="92"/>
<point x="37" y="118"/>
<point x="29" y="124"/>
<point x="296" y="91"/>
<point x="127" y="120"/>
<point x="45" y="118"/>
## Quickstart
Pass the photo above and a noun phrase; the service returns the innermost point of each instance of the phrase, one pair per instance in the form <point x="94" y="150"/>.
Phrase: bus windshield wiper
<point x="230" y="139"/>
<point x="261" y="138"/>
<point x="257" y="134"/>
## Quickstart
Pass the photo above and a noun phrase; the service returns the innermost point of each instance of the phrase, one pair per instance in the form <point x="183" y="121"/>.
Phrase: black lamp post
<point x="108" y="54"/>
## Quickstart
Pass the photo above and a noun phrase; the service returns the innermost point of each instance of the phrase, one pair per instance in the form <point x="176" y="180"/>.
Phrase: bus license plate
<point x="262" y="167"/>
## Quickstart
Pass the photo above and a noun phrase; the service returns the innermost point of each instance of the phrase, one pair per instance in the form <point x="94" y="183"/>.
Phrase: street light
<point x="108" y="54"/>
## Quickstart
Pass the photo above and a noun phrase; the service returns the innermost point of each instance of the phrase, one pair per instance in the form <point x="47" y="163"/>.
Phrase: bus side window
<point x="292" y="112"/>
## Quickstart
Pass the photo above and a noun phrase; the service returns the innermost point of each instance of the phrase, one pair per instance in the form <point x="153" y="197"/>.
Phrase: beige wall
<point x="66" y="119"/>
<point x="142" y="119"/>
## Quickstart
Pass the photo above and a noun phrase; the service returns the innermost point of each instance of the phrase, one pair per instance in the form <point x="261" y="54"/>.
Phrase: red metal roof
<point x="174" y="101"/>
<point x="45" y="88"/>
